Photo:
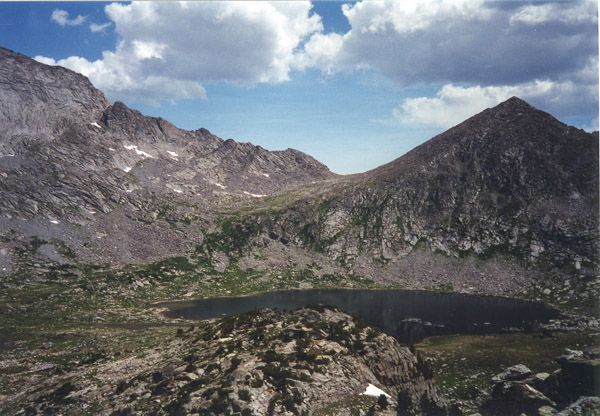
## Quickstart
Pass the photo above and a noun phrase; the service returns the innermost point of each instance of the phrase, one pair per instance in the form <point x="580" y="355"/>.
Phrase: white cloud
<point x="582" y="11"/>
<point x="452" y="104"/>
<point x="544" y="52"/>
<point x="320" y="51"/>
<point x="407" y="16"/>
<point x="97" y="27"/>
<point x="168" y="50"/>
<point x="119" y="74"/>
<point x="62" y="18"/>
<point x="592" y="125"/>
<point x="471" y="41"/>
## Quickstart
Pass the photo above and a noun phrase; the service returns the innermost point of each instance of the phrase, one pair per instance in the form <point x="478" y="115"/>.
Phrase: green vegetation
<point x="233" y="238"/>
<point x="353" y="406"/>
<point x="463" y="365"/>
<point x="108" y="313"/>
<point x="71" y="315"/>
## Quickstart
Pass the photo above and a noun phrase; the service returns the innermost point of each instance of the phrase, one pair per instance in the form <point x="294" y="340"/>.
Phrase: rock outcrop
<point x="574" y="389"/>
<point x="260" y="363"/>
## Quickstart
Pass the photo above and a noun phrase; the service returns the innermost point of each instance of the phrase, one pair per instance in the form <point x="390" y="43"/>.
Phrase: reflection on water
<point x="405" y="314"/>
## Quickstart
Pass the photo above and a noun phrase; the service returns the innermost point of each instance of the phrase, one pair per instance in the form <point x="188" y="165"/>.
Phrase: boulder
<point x="516" y="372"/>
<point x="584" y="406"/>
<point x="580" y="373"/>
<point x="514" y="398"/>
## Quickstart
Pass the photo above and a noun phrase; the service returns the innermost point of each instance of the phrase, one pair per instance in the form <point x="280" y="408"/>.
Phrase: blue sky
<point x="354" y="85"/>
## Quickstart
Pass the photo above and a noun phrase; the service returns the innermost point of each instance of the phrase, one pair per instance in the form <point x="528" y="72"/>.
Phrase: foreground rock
<point x="515" y="398"/>
<point x="516" y="372"/>
<point x="258" y="363"/>
<point x="585" y="406"/>
<point x="580" y="373"/>
<point x="574" y="388"/>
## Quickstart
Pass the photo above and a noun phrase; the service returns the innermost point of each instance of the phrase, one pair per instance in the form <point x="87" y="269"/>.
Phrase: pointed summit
<point x="513" y="127"/>
<point x="515" y="101"/>
<point x="510" y="111"/>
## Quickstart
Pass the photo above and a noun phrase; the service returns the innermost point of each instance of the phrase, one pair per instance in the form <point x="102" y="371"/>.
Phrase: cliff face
<point x="37" y="100"/>
<point x="511" y="179"/>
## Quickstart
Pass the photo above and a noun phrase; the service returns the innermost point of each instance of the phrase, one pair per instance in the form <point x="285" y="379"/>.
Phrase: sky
<point x="355" y="84"/>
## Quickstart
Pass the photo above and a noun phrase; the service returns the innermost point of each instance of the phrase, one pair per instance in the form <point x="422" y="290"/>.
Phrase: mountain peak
<point x="508" y="116"/>
<point x="515" y="101"/>
<point x="511" y="126"/>
<point x="515" y="105"/>
<point x="36" y="97"/>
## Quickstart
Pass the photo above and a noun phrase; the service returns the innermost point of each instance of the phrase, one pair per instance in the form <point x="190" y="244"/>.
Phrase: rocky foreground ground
<point x="260" y="363"/>
<point x="314" y="361"/>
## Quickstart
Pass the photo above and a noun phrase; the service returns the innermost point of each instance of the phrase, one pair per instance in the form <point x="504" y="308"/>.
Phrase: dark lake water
<point x="408" y="315"/>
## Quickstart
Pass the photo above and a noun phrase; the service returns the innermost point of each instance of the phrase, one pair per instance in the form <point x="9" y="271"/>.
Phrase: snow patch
<point x="54" y="221"/>
<point x="173" y="154"/>
<point x="266" y="175"/>
<point x="219" y="185"/>
<point x="127" y="168"/>
<point x="179" y="191"/>
<point x="8" y="155"/>
<point x="254" y="195"/>
<point x="96" y="125"/>
<point x="373" y="391"/>
<point x="138" y="151"/>
<point x="111" y="149"/>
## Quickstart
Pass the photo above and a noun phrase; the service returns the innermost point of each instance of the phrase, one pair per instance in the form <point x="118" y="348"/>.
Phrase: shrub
<point x="244" y="395"/>
<point x="382" y="401"/>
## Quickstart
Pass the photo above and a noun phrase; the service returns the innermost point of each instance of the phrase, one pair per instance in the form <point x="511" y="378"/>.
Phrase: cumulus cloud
<point x="577" y="12"/>
<point x="452" y="104"/>
<point x="320" y="51"/>
<point x="475" y="52"/>
<point x="169" y="50"/>
<point x="478" y="52"/>
<point x="121" y="75"/>
<point x="592" y="125"/>
<point x="62" y="18"/>
<point x="99" y="27"/>
<point x="443" y="41"/>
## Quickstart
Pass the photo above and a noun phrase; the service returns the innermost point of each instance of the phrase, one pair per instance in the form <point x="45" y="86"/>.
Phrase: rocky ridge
<point x="505" y="202"/>
<point x="73" y="165"/>
<point x="574" y="388"/>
